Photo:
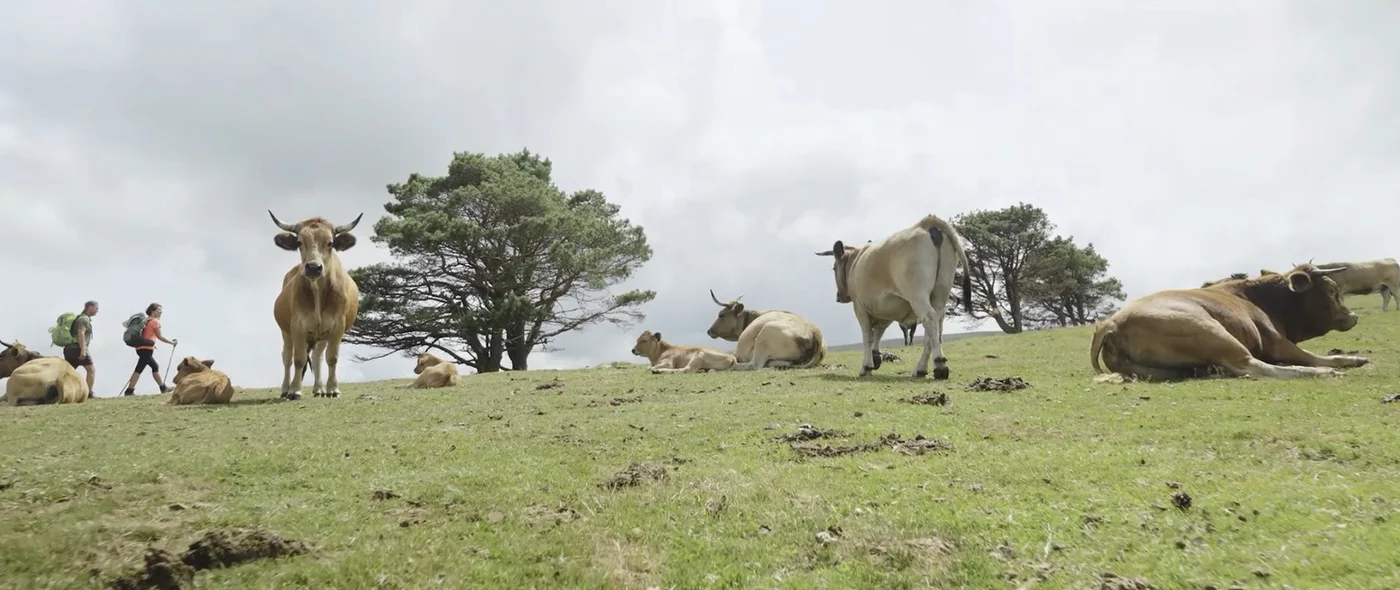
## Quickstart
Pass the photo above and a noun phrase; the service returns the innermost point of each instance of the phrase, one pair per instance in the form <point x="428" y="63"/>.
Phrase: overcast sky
<point x="142" y="142"/>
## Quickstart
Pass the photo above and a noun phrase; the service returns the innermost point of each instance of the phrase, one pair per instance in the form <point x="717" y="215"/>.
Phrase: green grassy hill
<point x="504" y="481"/>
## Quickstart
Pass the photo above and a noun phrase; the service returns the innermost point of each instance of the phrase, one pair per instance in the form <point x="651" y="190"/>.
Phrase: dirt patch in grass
<point x="617" y="401"/>
<point x="539" y="514"/>
<point x="626" y="565"/>
<point x="216" y="549"/>
<point x="1111" y="581"/>
<point x="809" y="432"/>
<point x="636" y="474"/>
<point x="916" y="446"/>
<point x="932" y="398"/>
<point x="1337" y="351"/>
<point x="997" y="384"/>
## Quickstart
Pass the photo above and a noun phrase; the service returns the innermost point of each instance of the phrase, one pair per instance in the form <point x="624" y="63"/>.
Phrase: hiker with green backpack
<point x="142" y="330"/>
<point x="73" y="334"/>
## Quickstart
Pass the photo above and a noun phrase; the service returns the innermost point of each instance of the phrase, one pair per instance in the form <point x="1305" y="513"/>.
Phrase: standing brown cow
<point x="318" y="302"/>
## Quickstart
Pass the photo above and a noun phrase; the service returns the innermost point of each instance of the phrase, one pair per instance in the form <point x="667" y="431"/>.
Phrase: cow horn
<point x="1328" y="271"/>
<point x="340" y="229"/>
<point x="284" y="226"/>
<point x="826" y="253"/>
<point x="5" y="344"/>
<point x="712" y="296"/>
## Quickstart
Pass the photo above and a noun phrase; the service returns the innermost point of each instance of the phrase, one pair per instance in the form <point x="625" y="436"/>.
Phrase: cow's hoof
<point x="291" y="396"/>
<point x="940" y="373"/>
<point x="1357" y="361"/>
<point x="866" y="371"/>
<point x="920" y="374"/>
<point x="333" y="393"/>
<point x="876" y="361"/>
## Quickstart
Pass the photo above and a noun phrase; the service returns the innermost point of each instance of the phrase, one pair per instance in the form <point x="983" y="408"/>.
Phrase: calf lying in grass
<point x="197" y="382"/>
<point x="434" y="372"/>
<point x="669" y="358"/>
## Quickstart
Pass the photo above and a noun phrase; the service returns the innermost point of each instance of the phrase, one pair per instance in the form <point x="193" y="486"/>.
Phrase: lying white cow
<point x="772" y="338"/>
<point x="37" y="379"/>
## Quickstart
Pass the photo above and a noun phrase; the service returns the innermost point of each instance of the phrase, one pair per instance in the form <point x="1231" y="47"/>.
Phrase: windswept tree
<point x="1003" y="247"/>
<point x="492" y="261"/>
<point x="1024" y="277"/>
<point x="1070" y="287"/>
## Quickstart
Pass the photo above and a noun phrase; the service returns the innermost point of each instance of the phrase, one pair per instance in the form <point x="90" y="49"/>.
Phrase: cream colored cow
<point x="434" y="372"/>
<point x="771" y="338"/>
<point x="35" y="379"/>
<point x="669" y="358"/>
<point x="905" y="276"/>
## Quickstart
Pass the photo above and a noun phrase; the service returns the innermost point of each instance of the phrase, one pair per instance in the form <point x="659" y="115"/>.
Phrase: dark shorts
<point x="70" y="354"/>
<point x="146" y="357"/>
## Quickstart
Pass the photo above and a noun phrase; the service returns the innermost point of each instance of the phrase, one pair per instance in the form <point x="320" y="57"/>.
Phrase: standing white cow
<point x="901" y="277"/>
<point x="1366" y="277"/>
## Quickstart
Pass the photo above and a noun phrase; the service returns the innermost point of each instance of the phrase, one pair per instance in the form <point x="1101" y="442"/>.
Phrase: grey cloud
<point x="142" y="142"/>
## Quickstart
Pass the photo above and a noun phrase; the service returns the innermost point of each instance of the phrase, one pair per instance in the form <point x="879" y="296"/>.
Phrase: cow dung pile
<point x="219" y="548"/>
<point x="997" y="384"/>
<point x="636" y="474"/>
<point x="800" y="443"/>
<point x="934" y="398"/>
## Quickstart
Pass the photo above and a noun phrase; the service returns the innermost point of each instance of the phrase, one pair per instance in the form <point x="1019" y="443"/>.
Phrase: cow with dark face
<point x="1248" y="327"/>
<point x="318" y="303"/>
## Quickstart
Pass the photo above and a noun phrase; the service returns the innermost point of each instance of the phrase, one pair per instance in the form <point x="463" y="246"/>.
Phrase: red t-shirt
<point x="149" y="333"/>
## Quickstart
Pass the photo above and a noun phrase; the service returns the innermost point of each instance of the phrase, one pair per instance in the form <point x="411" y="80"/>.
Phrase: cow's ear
<point x="656" y="336"/>
<point x="287" y="241"/>
<point x="738" y="308"/>
<point x="208" y="363"/>
<point x="1264" y="272"/>
<point x="343" y="241"/>
<point x="1299" y="282"/>
<point x="838" y="250"/>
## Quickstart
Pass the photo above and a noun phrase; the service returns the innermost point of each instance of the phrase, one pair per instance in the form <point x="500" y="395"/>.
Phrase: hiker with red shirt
<point x="146" y="349"/>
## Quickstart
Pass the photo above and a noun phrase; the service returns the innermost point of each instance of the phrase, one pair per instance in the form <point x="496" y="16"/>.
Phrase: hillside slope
<point x="503" y="482"/>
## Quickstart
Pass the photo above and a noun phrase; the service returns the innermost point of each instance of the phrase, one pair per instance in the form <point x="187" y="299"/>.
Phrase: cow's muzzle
<point x="711" y="333"/>
<point x="1347" y="323"/>
<point x="843" y="299"/>
<point x="313" y="269"/>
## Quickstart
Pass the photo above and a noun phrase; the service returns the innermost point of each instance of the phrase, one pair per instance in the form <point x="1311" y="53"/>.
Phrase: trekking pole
<point x="168" y="366"/>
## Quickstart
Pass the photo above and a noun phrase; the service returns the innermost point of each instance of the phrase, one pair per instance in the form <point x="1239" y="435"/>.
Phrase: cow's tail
<point x="1102" y="329"/>
<point x="955" y="240"/>
<point x="813" y="349"/>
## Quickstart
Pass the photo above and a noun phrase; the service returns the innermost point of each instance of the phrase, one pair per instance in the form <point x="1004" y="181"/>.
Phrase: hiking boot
<point x="164" y="389"/>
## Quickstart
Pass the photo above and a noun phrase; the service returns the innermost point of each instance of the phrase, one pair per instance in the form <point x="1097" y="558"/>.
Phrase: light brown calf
<point x="198" y="382"/>
<point x="669" y="358"/>
<point x="434" y="372"/>
<point x="1248" y="327"/>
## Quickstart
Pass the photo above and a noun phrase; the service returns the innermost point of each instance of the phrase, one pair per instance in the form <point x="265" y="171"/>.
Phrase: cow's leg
<point x="286" y="364"/>
<point x="1288" y="352"/>
<point x="930" y="314"/>
<point x="332" y="359"/>
<point x="867" y="343"/>
<point x="745" y="352"/>
<point x="1387" y="293"/>
<point x="318" y="385"/>
<point x="877" y="333"/>
<point x="299" y="358"/>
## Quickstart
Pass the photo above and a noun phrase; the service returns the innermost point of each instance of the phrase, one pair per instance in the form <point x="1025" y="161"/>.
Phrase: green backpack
<point x="134" y="325"/>
<point x="62" y="333"/>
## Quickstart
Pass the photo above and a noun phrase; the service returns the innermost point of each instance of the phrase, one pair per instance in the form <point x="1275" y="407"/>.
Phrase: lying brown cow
<point x="669" y="358"/>
<point x="1248" y="327"/>
<point x="37" y="379"/>
<point x="198" y="382"/>
<point x="434" y="372"/>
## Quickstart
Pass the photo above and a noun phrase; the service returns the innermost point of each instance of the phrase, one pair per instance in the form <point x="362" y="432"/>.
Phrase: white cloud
<point x="142" y="142"/>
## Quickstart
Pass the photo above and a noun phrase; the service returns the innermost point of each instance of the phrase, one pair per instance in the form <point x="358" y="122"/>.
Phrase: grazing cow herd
<point x="1238" y="325"/>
